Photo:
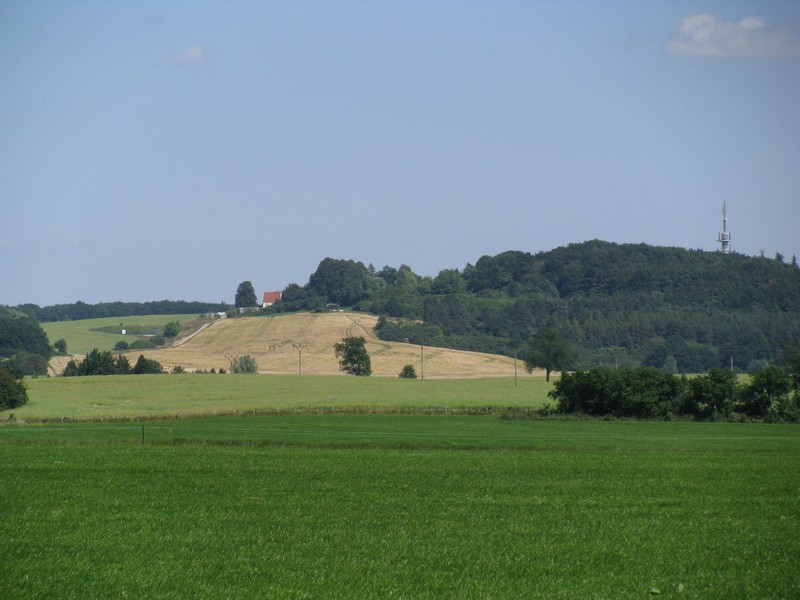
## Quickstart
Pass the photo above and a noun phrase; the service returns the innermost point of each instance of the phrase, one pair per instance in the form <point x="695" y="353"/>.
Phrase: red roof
<point x="271" y="297"/>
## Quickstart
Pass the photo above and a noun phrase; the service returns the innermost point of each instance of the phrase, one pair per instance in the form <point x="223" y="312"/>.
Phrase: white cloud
<point x="193" y="55"/>
<point x="710" y="36"/>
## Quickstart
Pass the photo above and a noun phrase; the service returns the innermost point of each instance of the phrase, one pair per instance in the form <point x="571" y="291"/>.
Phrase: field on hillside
<point x="84" y="335"/>
<point x="272" y="342"/>
<point x="386" y="506"/>
<point x="133" y="396"/>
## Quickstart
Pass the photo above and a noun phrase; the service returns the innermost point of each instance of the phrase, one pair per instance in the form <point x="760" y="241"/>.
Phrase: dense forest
<point x="618" y="304"/>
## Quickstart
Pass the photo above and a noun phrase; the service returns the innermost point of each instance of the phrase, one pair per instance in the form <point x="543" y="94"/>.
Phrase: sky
<point x="171" y="150"/>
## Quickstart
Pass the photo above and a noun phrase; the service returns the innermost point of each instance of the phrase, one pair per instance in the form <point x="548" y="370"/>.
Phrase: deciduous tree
<point x="549" y="351"/>
<point x="12" y="390"/>
<point x="245" y="295"/>
<point x="353" y="356"/>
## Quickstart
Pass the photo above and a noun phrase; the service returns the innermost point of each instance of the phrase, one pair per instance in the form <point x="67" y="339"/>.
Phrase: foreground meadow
<point x="399" y="506"/>
<point x="149" y="396"/>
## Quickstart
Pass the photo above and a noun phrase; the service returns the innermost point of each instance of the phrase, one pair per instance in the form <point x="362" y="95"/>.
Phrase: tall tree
<point x="13" y="392"/>
<point x="245" y="295"/>
<point x="353" y="356"/>
<point x="549" y="351"/>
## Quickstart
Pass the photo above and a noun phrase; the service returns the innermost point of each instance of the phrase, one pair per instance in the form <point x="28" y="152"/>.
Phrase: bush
<point x="641" y="392"/>
<point x="768" y="394"/>
<point x="147" y="366"/>
<point x="710" y="395"/>
<point x="142" y="345"/>
<point x="60" y="346"/>
<point x="244" y="364"/>
<point x="122" y="346"/>
<point x="408" y="372"/>
<point x="172" y="329"/>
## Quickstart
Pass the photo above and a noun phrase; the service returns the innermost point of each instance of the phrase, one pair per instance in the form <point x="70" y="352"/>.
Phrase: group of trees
<point x="24" y="347"/>
<point x="772" y="394"/>
<point x="103" y="362"/>
<point x="623" y="304"/>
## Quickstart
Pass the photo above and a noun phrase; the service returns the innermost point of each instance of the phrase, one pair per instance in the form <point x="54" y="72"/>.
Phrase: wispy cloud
<point x="752" y="37"/>
<point x="193" y="55"/>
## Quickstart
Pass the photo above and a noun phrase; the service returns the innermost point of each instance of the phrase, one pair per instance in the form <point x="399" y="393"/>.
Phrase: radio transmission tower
<point x="725" y="235"/>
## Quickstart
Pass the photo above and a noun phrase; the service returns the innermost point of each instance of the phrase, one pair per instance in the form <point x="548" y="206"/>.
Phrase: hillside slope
<point x="271" y="341"/>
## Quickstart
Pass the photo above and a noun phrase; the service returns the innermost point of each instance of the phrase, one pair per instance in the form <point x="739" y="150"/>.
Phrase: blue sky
<point x="171" y="150"/>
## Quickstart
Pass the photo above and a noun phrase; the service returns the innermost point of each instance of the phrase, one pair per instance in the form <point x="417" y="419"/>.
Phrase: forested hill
<point x="617" y="303"/>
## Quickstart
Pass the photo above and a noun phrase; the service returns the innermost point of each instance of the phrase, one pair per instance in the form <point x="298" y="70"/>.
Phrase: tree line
<point x="81" y="310"/>
<point x="771" y="394"/>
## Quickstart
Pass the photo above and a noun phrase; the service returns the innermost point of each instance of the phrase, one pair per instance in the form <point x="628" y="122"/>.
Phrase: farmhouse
<point x="270" y="298"/>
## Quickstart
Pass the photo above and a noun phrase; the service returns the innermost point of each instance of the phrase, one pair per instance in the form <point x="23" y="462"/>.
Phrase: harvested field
<point x="272" y="340"/>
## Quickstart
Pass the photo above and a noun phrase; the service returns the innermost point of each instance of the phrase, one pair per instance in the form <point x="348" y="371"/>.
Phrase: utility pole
<point x="422" y="362"/>
<point x="299" y="348"/>
<point x="515" y="368"/>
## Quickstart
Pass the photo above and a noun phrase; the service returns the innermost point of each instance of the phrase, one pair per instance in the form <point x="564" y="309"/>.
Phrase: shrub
<point x="710" y="395"/>
<point x="172" y="329"/>
<point x="641" y="392"/>
<point x="147" y="366"/>
<point x="408" y="372"/>
<point x="768" y="394"/>
<point x="142" y="345"/>
<point x="97" y="362"/>
<point x="244" y="364"/>
<point x="122" y="345"/>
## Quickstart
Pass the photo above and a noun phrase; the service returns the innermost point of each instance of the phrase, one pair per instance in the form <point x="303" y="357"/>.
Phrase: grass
<point x="132" y="396"/>
<point x="84" y="335"/>
<point x="397" y="506"/>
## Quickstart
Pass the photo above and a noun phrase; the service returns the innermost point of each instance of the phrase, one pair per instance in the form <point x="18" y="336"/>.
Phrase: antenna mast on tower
<point x="725" y="235"/>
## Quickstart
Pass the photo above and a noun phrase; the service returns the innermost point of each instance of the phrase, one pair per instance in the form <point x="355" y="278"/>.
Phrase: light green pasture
<point x="132" y="396"/>
<point x="81" y="338"/>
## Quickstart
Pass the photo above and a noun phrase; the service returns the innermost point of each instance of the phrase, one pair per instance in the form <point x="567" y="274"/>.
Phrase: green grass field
<point x="83" y="335"/>
<point x="399" y="506"/>
<point x="131" y="396"/>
